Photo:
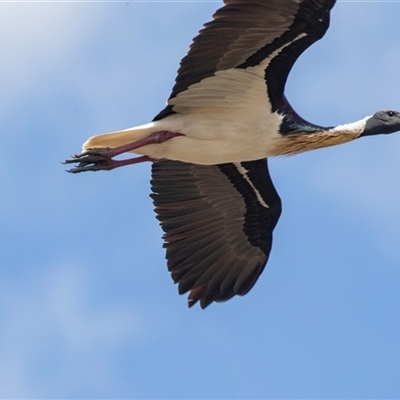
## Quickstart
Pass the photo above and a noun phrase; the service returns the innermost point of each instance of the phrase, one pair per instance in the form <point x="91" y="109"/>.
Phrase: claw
<point x="100" y="160"/>
<point x="84" y="167"/>
<point x="92" y="160"/>
<point x="91" y="156"/>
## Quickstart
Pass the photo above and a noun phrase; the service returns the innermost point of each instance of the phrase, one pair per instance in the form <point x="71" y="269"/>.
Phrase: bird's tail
<point x="119" y="138"/>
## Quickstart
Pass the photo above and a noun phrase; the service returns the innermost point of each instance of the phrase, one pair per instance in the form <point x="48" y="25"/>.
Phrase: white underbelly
<point x="217" y="137"/>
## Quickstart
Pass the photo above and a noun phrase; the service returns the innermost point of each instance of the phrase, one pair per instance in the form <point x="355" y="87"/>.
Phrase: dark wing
<point x="218" y="222"/>
<point x="246" y="32"/>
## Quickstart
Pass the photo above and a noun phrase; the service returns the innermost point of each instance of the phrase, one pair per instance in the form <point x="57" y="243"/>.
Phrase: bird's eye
<point x="390" y="113"/>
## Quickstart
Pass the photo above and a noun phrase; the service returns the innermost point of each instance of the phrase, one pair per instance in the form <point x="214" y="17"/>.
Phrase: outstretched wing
<point x="246" y="33"/>
<point x="218" y="222"/>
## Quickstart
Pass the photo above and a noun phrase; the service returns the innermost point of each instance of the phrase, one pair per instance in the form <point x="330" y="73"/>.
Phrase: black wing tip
<point x="199" y="294"/>
<point x="206" y="294"/>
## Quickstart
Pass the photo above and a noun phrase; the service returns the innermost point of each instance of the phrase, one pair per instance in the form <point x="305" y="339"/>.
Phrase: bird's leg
<point x="101" y="158"/>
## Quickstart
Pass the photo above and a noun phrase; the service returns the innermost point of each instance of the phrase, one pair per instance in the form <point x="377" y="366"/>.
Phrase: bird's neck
<point x="292" y="123"/>
<point x="299" y="135"/>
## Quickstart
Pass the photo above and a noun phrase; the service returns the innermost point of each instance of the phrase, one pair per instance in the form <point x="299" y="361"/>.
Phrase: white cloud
<point x="36" y="38"/>
<point x="48" y="325"/>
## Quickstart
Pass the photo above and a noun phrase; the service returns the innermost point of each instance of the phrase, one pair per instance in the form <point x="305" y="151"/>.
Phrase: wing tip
<point x="199" y="294"/>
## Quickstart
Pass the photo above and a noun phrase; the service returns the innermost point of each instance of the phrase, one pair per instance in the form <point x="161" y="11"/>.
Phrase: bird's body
<point x="210" y="138"/>
<point x="226" y="115"/>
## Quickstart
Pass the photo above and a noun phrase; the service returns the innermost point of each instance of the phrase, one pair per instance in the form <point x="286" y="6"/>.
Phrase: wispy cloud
<point x="51" y="324"/>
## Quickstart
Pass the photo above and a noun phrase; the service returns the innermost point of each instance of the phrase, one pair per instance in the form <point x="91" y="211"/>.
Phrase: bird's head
<point x="387" y="121"/>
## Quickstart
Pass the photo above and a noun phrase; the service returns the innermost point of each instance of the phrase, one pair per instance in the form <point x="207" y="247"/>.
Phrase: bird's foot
<point x="100" y="160"/>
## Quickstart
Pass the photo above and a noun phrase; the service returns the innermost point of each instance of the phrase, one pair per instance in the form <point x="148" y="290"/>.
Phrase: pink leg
<point x="101" y="159"/>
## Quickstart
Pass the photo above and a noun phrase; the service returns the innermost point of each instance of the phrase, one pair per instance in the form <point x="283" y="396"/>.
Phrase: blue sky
<point x="87" y="306"/>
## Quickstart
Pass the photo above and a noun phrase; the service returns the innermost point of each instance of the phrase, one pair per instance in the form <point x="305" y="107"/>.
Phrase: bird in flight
<point x="209" y="146"/>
